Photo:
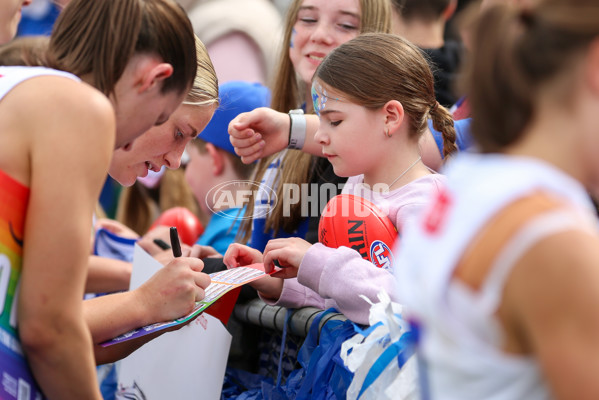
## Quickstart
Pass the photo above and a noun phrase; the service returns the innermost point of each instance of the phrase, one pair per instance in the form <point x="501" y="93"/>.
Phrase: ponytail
<point x="443" y="122"/>
<point x="517" y="52"/>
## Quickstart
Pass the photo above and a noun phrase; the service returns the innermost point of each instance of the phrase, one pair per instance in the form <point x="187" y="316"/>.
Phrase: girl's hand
<point x="288" y="252"/>
<point x="239" y="255"/>
<point x="173" y="290"/>
<point x="147" y="241"/>
<point x="268" y="287"/>
<point x="166" y="256"/>
<point x="199" y="251"/>
<point x="259" y="133"/>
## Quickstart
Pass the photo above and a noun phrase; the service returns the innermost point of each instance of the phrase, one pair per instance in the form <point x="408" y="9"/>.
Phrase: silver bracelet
<point x="297" y="129"/>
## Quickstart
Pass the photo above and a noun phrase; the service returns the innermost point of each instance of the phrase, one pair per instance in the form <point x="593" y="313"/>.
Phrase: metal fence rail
<point x="271" y="319"/>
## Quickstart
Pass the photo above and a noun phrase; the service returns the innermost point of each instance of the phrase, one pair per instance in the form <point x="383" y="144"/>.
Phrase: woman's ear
<point x="394" y="115"/>
<point x="217" y="159"/>
<point x="152" y="74"/>
<point x="449" y="10"/>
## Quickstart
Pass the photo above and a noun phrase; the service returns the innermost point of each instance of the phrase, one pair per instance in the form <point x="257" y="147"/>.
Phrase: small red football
<point x="187" y="223"/>
<point x="355" y="222"/>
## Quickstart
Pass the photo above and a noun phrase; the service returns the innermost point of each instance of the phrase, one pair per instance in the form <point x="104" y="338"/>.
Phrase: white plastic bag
<point x="372" y="356"/>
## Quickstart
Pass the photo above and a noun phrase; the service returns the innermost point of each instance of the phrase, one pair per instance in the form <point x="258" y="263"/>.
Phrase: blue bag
<point x="321" y="376"/>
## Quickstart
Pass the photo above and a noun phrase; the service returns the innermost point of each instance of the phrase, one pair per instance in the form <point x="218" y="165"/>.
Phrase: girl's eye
<point x="335" y="123"/>
<point x="179" y="134"/>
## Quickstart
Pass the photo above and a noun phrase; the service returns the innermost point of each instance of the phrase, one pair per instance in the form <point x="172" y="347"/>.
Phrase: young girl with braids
<point x="500" y="275"/>
<point x="374" y="95"/>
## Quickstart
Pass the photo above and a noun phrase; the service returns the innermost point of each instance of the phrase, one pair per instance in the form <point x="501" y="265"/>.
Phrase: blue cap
<point x="236" y="97"/>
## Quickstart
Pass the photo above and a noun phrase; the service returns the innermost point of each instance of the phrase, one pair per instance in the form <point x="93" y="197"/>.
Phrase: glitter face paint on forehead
<point x="320" y="97"/>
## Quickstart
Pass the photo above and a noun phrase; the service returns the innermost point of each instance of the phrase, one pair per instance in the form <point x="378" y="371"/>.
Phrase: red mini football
<point x="355" y="222"/>
<point x="188" y="225"/>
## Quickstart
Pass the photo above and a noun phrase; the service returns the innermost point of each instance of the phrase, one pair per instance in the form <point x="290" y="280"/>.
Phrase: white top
<point x="12" y="76"/>
<point x="461" y="339"/>
<point x="13" y="364"/>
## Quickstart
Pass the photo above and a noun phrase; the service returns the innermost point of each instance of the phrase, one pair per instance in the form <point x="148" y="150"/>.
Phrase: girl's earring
<point x="387" y="132"/>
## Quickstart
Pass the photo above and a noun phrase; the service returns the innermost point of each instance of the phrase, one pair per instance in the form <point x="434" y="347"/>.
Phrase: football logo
<point x="380" y="255"/>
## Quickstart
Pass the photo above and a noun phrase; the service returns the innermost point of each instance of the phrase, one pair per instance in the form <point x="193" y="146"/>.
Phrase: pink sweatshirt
<point x="330" y="277"/>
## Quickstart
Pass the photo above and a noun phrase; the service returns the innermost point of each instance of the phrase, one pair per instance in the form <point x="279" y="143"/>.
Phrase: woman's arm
<point x="550" y="308"/>
<point x="71" y="137"/>
<point x="169" y="294"/>
<point x="107" y="275"/>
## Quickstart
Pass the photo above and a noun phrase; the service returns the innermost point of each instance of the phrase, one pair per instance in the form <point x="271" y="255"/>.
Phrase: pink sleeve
<point x="296" y="295"/>
<point x="343" y="275"/>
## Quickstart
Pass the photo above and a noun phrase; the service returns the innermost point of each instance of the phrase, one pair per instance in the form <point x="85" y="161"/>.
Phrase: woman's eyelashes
<point x="307" y="20"/>
<point x="348" y="27"/>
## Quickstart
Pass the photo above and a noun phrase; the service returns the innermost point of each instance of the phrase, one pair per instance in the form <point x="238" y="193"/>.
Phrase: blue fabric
<point x="259" y="238"/>
<point x="110" y="245"/>
<point x="401" y="350"/>
<point x="109" y="197"/>
<point x="109" y="381"/>
<point x="235" y="97"/>
<point x="423" y="381"/>
<point x="222" y="229"/>
<point x="38" y="26"/>
<point x="322" y="375"/>
<point x="240" y="384"/>
<point x="462" y="133"/>
<point x="288" y="315"/>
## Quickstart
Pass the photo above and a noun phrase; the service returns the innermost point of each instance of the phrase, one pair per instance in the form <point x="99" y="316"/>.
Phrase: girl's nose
<point x="323" y="33"/>
<point x="321" y="137"/>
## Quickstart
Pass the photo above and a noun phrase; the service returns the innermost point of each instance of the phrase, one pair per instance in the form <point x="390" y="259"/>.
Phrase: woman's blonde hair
<point x="205" y="85"/>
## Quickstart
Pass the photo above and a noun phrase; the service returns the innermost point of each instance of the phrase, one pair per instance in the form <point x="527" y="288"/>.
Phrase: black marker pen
<point x="161" y="243"/>
<point x="175" y="242"/>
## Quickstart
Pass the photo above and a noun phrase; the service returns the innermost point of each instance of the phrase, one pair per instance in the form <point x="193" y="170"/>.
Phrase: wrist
<point x="297" y="129"/>
<point x="269" y="288"/>
<point x="141" y="306"/>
